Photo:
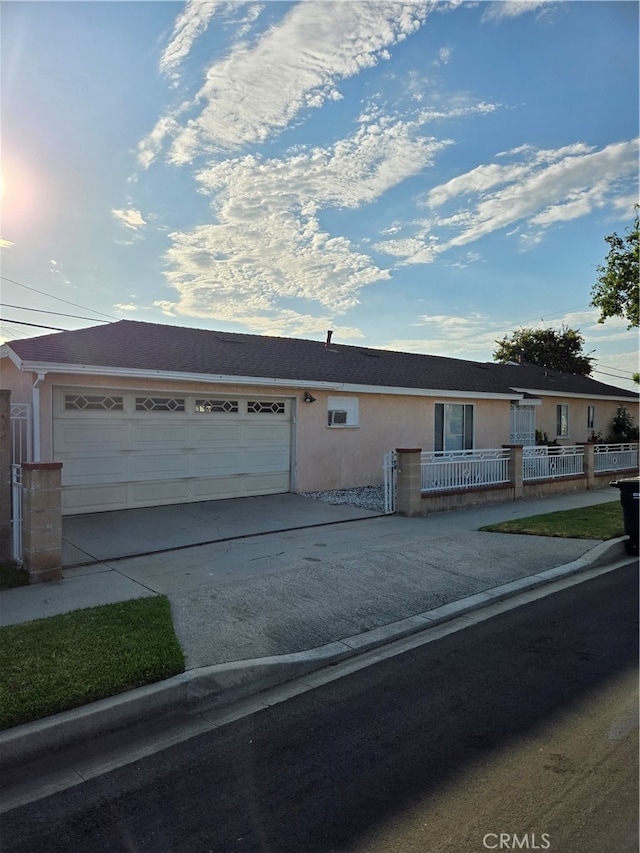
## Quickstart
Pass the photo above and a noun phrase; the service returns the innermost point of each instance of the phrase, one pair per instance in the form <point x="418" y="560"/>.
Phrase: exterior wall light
<point x="308" y="398"/>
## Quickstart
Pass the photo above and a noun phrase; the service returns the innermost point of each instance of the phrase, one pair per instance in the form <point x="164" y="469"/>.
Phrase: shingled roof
<point x="136" y="346"/>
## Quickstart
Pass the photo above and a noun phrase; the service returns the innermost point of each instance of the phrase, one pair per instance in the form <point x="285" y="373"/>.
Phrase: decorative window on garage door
<point x="93" y="402"/>
<point x="269" y="407"/>
<point x="159" y="404"/>
<point x="214" y="406"/>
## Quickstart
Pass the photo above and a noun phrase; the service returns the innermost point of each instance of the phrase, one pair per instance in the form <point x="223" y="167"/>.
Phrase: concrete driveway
<point x="104" y="536"/>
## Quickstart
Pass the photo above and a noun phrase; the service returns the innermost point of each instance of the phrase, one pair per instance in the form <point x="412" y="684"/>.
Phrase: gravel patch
<point x="365" y="497"/>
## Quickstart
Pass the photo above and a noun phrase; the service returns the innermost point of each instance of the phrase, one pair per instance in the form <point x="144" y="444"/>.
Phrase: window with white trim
<point x="208" y="407"/>
<point x="453" y="426"/>
<point x="591" y="417"/>
<point x="562" y="420"/>
<point x="93" y="402"/>
<point x="342" y="412"/>
<point x="160" y="404"/>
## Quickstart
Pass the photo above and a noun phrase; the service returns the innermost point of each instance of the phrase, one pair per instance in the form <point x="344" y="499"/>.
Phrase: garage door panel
<point x="270" y="459"/>
<point x="165" y="491"/>
<point x="216" y="434"/>
<point x="98" y="469"/>
<point x="218" y="463"/>
<point x="165" y="434"/>
<point x="129" y="458"/>
<point x="93" y="498"/>
<point x="68" y="437"/>
<point x="156" y="466"/>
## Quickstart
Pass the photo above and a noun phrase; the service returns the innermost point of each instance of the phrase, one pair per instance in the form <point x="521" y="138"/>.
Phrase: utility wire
<point x="37" y="325"/>
<point x="59" y="298"/>
<point x="57" y="313"/>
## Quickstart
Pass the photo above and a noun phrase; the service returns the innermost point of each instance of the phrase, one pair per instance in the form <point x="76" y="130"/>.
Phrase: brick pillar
<point x="42" y="520"/>
<point x="515" y="470"/>
<point x="5" y="475"/>
<point x="408" y="482"/>
<point x="589" y="463"/>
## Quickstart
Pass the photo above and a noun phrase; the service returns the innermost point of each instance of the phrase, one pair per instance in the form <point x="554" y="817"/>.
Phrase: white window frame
<point x="562" y="420"/>
<point x="443" y="413"/>
<point x="591" y="417"/>
<point x="343" y="404"/>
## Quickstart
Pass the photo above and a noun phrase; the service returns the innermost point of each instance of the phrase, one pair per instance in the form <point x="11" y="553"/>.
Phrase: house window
<point x="222" y="406"/>
<point x="591" y="417"/>
<point x="453" y="426"/>
<point x="93" y="402"/>
<point x="265" y="407"/>
<point x="562" y="420"/>
<point x="342" y="412"/>
<point x="159" y="404"/>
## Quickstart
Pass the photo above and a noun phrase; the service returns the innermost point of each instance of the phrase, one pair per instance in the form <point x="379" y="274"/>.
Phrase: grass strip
<point x="61" y="662"/>
<point x="602" y="521"/>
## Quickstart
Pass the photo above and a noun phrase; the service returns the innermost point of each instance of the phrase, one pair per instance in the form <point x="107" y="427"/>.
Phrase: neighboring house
<point x="143" y="414"/>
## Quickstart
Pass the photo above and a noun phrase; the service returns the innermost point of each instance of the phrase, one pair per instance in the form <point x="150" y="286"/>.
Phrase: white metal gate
<point x="16" y="513"/>
<point x="389" y="470"/>
<point x="20" y="452"/>
<point x="523" y="425"/>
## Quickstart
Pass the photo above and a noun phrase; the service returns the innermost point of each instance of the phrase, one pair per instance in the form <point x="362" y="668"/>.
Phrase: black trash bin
<point x="630" y="500"/>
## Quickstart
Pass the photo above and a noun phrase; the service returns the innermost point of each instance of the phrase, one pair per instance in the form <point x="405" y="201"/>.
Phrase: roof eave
<point x="224" y="379"/>
<point x="576" y="394"/>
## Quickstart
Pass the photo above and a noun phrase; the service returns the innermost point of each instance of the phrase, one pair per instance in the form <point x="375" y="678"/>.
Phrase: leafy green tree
<point x="623" y="426"/>
<point x="616" y="292"/>
<point x="559" y="350"/>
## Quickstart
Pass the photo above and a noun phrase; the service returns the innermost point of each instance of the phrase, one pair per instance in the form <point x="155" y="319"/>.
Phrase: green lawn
<point x="65" y="661"/>
<point x="602" y="521"/>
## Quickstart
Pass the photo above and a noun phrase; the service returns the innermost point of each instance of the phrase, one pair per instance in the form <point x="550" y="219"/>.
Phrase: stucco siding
<point x="579" y="431"/>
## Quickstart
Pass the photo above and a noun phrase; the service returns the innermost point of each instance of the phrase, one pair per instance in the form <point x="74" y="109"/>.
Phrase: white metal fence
<point x="389" y="471"/>
<point x="16" y="513"/>
<point x="20" y="433"/>
<point x="462" y="469"/>
<point x="20" y="452"/>
<point x="550" y="463"/>
<point x="615" y="457"/>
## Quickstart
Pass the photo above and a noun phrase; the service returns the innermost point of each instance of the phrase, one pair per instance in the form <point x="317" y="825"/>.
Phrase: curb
<point x="224" y="683"/>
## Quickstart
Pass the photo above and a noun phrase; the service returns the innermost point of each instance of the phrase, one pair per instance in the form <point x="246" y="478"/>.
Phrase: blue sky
<point x="422" y="176"/>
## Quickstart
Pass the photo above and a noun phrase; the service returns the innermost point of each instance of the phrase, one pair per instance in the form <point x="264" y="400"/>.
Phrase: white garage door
<point x="130" y="449"/>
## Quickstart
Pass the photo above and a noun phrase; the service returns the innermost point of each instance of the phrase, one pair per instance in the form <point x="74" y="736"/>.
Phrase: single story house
<point x="142" y="414"/>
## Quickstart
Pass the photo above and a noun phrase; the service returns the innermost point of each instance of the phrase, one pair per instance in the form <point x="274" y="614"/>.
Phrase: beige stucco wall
<point x="333" y="457"/>
<point x="338" y="457"/>
<point x="16" y="381"/>
<point x="605" y="411"/>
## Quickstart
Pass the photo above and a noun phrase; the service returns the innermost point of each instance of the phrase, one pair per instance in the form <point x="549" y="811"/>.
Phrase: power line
<point x="59" y="298"/>
<point x="57" y="313"/>
<point x="614" y="375"/>
<point x="37" y="325"/>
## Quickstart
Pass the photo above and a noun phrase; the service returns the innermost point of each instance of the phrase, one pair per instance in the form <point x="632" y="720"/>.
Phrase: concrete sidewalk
<point x="254" y="611"/>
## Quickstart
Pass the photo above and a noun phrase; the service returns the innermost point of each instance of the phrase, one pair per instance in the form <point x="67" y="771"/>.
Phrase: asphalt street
<point x="525" y="724"/>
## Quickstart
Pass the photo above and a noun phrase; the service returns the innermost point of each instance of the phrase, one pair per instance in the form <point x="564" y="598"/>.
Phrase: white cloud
<point x="128" y="306"/>
<point x="129" y="217"/>
<point x="267" y="247"/>
<point x="512" y="8"/>
<point x="258" y="90"/>
<point x="540" y="189"/>
<point x="191" y="23"/>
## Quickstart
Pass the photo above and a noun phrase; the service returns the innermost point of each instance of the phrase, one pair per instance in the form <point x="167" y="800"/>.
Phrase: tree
<point x="559" y="350"/>
<point x="616" y="292"/>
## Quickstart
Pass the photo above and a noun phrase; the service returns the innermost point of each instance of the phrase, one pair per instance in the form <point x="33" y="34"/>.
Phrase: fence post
<point x="42" y="520"/>
<point x="515" y="470"/>
<point x="409" y="481"/>
<point x="589" y="463"/>
<point x="5" y="474"/>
